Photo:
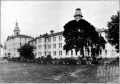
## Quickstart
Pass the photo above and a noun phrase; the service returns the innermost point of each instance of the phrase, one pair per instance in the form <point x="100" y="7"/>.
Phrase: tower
<point x="16" y="29"/>
<point x="78" y="14"/>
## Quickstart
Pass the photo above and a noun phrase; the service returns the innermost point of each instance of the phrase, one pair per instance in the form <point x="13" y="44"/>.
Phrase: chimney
<point x="51" y="31"/>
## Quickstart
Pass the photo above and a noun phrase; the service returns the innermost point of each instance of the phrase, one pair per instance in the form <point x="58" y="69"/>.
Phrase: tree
<point x="1" y="45"/>
<point x="48" y="58"/>
<point x="101" y="44"/>
<point x="80" y="34"/>
<point x="26" y="51"/>
<point x="113" y="30"/>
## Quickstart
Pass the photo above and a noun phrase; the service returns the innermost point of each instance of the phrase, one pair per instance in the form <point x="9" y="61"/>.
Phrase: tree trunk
<point x="82" y="52"/>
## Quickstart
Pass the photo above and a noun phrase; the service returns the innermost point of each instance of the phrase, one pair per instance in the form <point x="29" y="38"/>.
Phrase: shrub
<point x="100" y="58"/>
<point x="80" y="58"/>
<point x="48" y="59"/>
<point x="94" y="62"/>
<point x="72" y="61"/>
<point x="117" y="59"/>
<point x="18" y="59"/>
<point x="84" y="58"/>
<point x="26" y="51"/>
<point x="60" y="62"/>
<point x="4" y="58"/>
<point x="83" y="62"/>
<point x="87" y="58"/>
<point x="94" y="58"/>
<point x="90" y="59"/>
<point x="105" y="58"/>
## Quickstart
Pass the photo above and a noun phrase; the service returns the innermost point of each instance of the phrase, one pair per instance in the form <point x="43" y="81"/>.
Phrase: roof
<point x="50" y="35"/>
<point x="58" y="33"/>
<point x="101" y="30"/>
<point x="24" y="36"/>
<point x="19" y="36"/>
<point x="32" y="40"/>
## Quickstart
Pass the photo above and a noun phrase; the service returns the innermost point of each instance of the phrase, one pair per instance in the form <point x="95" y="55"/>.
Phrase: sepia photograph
<point x="59" y="41"/>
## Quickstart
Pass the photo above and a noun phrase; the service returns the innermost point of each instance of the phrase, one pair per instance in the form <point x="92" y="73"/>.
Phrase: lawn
<point x="18" y="72"/>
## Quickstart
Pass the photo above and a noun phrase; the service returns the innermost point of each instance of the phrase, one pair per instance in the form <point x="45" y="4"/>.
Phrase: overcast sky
<point x="38" y="17"/>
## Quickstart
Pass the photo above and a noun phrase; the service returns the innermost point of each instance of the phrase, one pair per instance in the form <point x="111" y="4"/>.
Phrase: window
<point x="35" y="53"/>
<point x="54" y="38"/>
<point x="76" y="52"/>
<point x="39" y="40"/>
<point x="39" y="46"/>
<point x="35" y="42"/>
<point x="60" y="38"/>
<point x="30" y="43"/>
<point x="54" y="45"/>
<point x="71" y="52"/>
<point x="49" y="46"/>
<point x="105" y="51"/>
<point x="45" y="46"/>
<point x="60" y="52"/>
<point x="60" y="45"/>
<point x="49" y="53"/>
<point x="49" y="39"/>
<point x="39" y="53"/>
<point x="14" y="44"/>
<point x="54" y="52"/>
<point x="45" y="53"/>
<point x="17" y="33"/>
<point x="45" y="39"/>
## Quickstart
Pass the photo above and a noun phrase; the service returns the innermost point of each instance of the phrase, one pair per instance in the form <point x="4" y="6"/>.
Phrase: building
<point x="49" y="44"/>
<point x="52" y="44"/>
<point x="14" y="42"/>
<point x="109" y="50"/>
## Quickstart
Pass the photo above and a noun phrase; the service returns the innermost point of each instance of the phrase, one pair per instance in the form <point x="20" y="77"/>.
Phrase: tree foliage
<point x="113" y="31"/>
<point x="81" y="34"/>
<point x="26" y="51"/>
<point x="48" y="58"/>
<point x="1" y="45"/>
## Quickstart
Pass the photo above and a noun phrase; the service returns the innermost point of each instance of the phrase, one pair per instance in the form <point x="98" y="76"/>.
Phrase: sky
<point x="39" y="17"/>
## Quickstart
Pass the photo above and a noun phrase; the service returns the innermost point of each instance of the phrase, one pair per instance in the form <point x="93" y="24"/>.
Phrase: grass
<point x="17" y="72"/>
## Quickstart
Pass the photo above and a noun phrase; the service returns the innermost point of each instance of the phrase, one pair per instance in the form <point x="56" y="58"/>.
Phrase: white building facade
<point x="53" y="43"/>
<point x="14" y="42"/>
<point x="109" y="50"/>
